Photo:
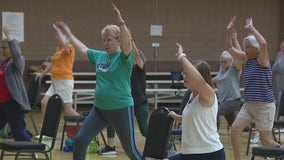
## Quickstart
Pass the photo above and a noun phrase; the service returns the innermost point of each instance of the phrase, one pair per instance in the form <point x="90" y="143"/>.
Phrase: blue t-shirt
<point x="113" y="72"/>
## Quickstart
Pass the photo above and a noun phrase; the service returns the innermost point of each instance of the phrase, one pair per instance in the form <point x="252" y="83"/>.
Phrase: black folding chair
<point x="177" y="80"/>
<point x="158" y="134"/>
<point x="175" y="133"/>
<point x="49" y="128"/>
<point x="271" y="152"/>
<point x="33" y="92"/>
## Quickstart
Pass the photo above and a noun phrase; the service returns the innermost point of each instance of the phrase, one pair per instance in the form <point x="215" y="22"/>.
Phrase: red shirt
<point x="4" y="91"/>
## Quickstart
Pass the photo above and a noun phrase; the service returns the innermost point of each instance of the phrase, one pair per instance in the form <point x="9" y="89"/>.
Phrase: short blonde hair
<point x="111" y="29"/>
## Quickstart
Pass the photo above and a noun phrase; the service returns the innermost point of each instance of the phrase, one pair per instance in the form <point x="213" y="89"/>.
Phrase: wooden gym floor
<point x="140" y="140"/>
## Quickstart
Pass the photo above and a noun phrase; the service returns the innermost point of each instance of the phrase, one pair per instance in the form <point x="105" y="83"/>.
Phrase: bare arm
<point x="125" y="34"/>
<point x="236" y="43"/>
<point x="47" y="69"/>
<point x="137" y="56"/>
<point x="238" y="64"/>
<point x="238" y="54"/>
<point x="62" y="38"/>
<point x="79" y="46"/>
<point x="206" y="92"/>
<point x="263" y="58"/>
<point x="176" y="117"/>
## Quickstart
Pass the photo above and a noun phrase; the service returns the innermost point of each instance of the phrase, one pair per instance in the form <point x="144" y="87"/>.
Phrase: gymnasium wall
<point x="198" y="25"/>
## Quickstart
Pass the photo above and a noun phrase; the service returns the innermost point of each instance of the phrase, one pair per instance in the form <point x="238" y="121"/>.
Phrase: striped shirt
<point x="257" y="81"/>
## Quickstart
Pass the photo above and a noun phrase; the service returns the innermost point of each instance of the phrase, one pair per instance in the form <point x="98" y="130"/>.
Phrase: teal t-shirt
<point x="113" y="88"/>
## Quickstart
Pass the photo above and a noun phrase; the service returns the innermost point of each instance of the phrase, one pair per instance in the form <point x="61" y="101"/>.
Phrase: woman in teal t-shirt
<point x="113" y="101"/>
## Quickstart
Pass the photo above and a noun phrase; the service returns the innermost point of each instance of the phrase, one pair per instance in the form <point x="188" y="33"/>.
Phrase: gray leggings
<point x="97" y="120"/>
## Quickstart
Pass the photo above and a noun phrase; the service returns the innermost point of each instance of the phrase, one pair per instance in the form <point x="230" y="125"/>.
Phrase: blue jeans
<point x="11" y="113"/>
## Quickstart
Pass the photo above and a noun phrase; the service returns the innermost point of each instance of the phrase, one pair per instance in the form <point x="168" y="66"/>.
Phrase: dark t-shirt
<point x="138" y="84"/>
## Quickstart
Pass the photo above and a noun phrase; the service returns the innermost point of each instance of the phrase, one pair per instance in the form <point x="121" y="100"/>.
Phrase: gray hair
<point x="252" y="40"/>
<point x="227" y="55"/>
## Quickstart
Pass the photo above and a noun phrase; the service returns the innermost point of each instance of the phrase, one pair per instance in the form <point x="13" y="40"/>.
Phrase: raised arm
<point x="237" y="53"/>
<point x="15" y="51"/>
<point x="62" y="38"/>
<point x="139" y="57"/>
<point x="79" y="46"/>
<point x="263" y="58"/>
<point x="125" y="34"/>
<point x="195" y="79"/>
<point x="238" y="64"/>
<point x="7" y="32"/>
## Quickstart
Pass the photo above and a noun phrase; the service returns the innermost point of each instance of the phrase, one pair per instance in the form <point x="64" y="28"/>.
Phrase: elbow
<point x="263" y="44"/>
<point x="229" y="47"/>
<point x="83" y="50"/>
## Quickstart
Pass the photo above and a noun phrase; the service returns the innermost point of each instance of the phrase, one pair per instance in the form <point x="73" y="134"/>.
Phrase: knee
<point x="43" y="102"/>
<point x="266" y="140"/>
<point x="69" y="110"/>
<point x="236" y="128"/>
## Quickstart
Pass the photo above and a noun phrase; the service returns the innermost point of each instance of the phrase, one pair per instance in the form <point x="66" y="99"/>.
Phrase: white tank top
<point x="199" y="128"/>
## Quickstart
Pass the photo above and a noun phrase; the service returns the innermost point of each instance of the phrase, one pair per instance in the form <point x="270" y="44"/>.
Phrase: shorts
<point x="261" y="113"/>
<point x="63" y="88"/>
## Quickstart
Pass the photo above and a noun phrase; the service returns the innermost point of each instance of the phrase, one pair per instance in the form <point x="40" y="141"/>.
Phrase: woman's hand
<point x="38" y="76"/>
<point x="179" y="53"/>
<point x="117" y="15"/>
<point x="179" y="49"/>
<point x="7" y="32"/>
<point x="232" y="22"/>
<point x="63" y="27"/>
<point x="249" y="23"/>
<point x="172" y="114"/>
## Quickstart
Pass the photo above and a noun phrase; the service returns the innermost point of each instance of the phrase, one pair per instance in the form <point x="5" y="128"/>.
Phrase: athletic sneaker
<point x="255" y="138"/>
<point x="43" y="137"/>
<point x="277" y="130"/>
<point x="108" y="150"/>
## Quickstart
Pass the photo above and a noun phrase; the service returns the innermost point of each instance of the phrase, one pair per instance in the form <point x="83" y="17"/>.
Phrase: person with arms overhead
<point x="228" y="88"/>
<point x="61" y="74"/>
<point x="14" y="102"/>
<point x="200" y="139"/>
<point x="259" y="106"/>
<point x="113" y="104"/>
<point x="141" y="106"/>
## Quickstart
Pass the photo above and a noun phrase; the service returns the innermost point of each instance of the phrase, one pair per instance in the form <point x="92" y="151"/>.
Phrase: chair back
<point x="51" y="119"/>
<point x="33" y="91"/>
<point x="176" y="80"/>
<point x="158" y="133"/>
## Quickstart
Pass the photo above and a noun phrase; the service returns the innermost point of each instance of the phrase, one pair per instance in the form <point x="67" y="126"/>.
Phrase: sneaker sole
<point x="44" y="138"/>
<point x="109" y="153"/>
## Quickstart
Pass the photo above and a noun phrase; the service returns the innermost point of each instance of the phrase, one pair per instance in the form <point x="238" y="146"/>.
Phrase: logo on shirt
<point x="103" y="66"/>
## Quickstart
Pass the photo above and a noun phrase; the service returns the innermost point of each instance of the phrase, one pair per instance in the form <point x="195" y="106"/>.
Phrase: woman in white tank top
<point x="200" y="139"/>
